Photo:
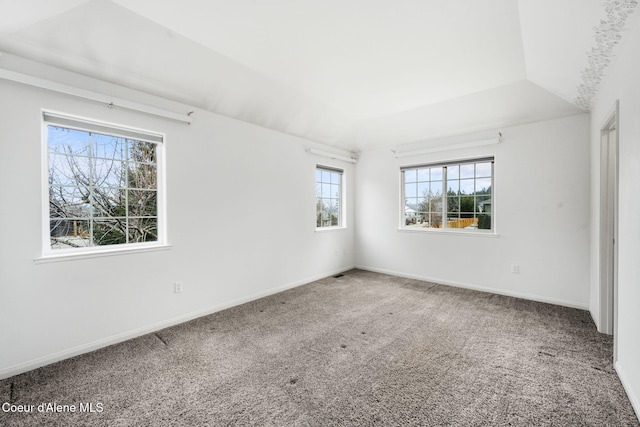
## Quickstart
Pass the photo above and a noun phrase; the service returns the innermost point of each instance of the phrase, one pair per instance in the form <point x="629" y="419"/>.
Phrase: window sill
<point x="450" y="232"/>
<point x="325" y="229"/>
<point x="70" y="256"/>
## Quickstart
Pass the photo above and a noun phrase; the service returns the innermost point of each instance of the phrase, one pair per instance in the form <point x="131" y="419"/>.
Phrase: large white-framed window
<point x="103" y="186"/>
<point x="456" y="195"/>
<point x="329" y="197"/>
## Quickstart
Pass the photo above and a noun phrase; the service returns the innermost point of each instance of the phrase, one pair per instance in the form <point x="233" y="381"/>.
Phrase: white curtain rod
<point x="109" y="101"/>
<point x="445" y="147"/>
<point x="352" y="159"/>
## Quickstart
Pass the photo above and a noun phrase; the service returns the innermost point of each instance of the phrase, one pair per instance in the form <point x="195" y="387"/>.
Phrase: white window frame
<point x="342" y="223"/>
<point x="49" y="117"/>
<point x="444" y="164"/>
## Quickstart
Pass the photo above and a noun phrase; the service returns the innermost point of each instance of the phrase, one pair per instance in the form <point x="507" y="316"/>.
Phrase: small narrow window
<point x="329" y="197"/>
<point x="103" y="186"/>
<point x="455" y="195"/>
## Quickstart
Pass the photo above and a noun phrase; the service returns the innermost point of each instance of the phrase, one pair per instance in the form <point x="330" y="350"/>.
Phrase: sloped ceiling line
<point x="607" y="35"/>
<point x="403" y="72"/>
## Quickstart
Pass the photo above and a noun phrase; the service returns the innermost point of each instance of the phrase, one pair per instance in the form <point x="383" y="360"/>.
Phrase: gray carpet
<point x="362" y="349"/>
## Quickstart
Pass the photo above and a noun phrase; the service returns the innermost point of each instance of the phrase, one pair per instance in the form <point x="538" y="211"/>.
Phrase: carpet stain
<point x="416" y="285"/>
<point x="363" y="333"/>
<point x="161" y="339"/>
<point x="292" y="381"/>
<point x="544" y="353"/>
<point x="343" y="345"/>
<point x="11" y="388"/>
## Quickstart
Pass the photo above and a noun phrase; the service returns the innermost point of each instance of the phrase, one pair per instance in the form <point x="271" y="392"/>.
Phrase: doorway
<point x="609" y="224"/>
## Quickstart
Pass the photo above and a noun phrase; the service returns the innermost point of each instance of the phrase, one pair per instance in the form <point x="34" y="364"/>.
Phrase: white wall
<point x="241" y="222"/>
<point x="541" y="205"/>
<point x="622" y="84"/>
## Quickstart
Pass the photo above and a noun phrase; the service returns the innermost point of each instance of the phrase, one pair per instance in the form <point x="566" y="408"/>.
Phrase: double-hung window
<point x="449" y="195"/>
<point x="329" y="188"/>
<point x="103" y="186"/>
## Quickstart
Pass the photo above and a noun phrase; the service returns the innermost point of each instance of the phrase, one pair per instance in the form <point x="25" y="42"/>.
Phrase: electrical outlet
<point x="178" y="287"/>
<point x="515" y="268"/>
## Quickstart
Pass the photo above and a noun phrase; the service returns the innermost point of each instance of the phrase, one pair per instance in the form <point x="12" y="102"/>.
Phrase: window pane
<point x="335" y="178"/>
<point x="436" y="174"/>
<point x="436" y="220"/>
<point x="467" y="186"/>
<point x="143" y="230"/>
<point x="142" y="175"/>
<point x="467" y="205"/>
<point x="484" y="221"/>
<point x="69" y="170"/>
<point x="453" y="172"/>
<point x="111" y="231"/>
<point x="436" y="188"/>
<point x="142" y="203"/>
<point x="108" y="173"/>
<point x="412" y="202"/>
<point x="69" y="202"/>
<point x="334" y="213"/>
<point x="142" y="152"/>
<point x="109" y="202"/>
<point x="483" y="186"/>
<point x="326" y="191"/>
<point x="411" y="190"/>
<point x="108" y="147"/>
<point x="410" y="175"/>
<point x="452" y="216"/>
<point x="66" y="233"/>
<point x="335" y="191"/>
<point x="61" y="170"/>
<point x="454" y="186"/>
<point x="435" y="205"/>
<point x="68" y="141"/>
<point x="423" y="174"/>
<point x="483" y="170"/>
<point x="484" y="204"/>
<point x="467" y="171"/>
<point x="326" y="176"/>
<point x="423" y="189"/>
<point x="423" y="206"/>
<point x="326" y="208"/>
<point x="453" y="204"/>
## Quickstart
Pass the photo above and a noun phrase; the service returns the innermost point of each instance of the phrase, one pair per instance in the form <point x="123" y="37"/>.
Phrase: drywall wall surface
<point x="541" y="208"/>
<point x="621" y="84"/>
<point x="241" y="224"/>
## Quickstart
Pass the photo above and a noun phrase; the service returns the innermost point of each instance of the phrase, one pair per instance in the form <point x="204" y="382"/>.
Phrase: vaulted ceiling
<point x="353" y="74"/>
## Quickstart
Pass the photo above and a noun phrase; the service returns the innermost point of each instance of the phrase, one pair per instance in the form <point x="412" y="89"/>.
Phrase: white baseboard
<point x="635" y="403"/>
<point x="532" y="297"/>
<point x="104" y="342"/>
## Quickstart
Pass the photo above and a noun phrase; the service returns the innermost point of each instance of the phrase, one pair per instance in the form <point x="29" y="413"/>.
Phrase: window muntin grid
<point x="328" y="197"/>
<point x="102" y="187"/>
<point x="453" y="195"/>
